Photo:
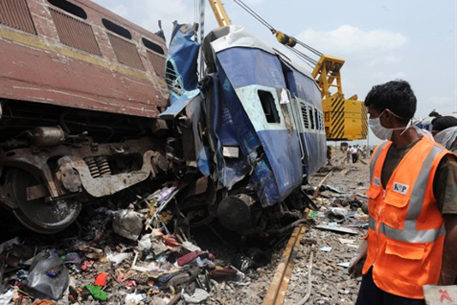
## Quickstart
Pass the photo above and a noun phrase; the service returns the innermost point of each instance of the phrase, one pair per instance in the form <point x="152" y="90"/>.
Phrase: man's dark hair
<point x="444" y="122"/>
<point x="397" y="96"/>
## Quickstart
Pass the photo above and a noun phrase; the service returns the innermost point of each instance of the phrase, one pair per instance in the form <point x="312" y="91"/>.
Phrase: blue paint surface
<point x="284" y="157"/>
<point x="270" y="158"/>
<point x="245" y="66"/>
<point x="317" y="151"/>
<point x="182" y="56"/>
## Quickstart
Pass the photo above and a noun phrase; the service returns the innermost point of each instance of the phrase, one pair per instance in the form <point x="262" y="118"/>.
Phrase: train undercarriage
<point x="53" y="159"/>
<point x="57" y="159"/>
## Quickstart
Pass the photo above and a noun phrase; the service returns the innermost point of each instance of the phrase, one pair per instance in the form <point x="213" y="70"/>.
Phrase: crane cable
<point x="254" y="14"/>
<point x="308" y="60"/>
<point x="282" y="38"/>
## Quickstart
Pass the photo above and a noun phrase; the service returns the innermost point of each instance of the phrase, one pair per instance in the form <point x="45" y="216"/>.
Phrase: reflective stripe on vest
<point x="409" y="233"/>
<point x="375" y="158"/>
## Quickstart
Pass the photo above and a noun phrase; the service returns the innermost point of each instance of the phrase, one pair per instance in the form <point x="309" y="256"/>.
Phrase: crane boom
<point x="220" y="13"/>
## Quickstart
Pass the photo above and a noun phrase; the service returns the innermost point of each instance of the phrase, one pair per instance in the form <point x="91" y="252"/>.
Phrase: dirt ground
<point x="330" y="283"/>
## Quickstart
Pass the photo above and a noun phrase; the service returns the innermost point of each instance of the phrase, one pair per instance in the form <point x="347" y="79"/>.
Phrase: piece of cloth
<point x="444" y="122"/>
<point x="454" y="147"/>
<point x="370" y="294"/>
<point x="191" y="256"/>
<point x="447" y="137"/>
<point x="100" y="280"/>
<point x="425" y="133"/>
<point x="444" y="183"/>
<point x="97" y="292"/>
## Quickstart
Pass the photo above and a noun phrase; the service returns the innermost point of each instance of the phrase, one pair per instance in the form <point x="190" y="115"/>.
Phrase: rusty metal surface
<point x="278" y="287"/>
<point x="16" y="14"/>
<point x="108" y="185"/>
<point x="126" y="52"/>
<point x="158" y="63"/>
<point x="38" y="164"/>
<point x="65" y="76"/>
<point x="75" y="33"/>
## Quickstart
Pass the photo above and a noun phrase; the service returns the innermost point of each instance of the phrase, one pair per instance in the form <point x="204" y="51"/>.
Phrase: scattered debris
<point x="132" y="256"/>
<point x="326" y="249"/>
<point x="336" y="228"/>
<point x="128" y="223"/>
<point x="337" y="215"/>
<point x="48" y="277"/>
<point x="198" y="296"/>
<point x="331" y="281"/>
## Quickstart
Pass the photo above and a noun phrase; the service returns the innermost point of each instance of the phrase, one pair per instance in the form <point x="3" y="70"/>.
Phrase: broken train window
<point x="269" y="106"/>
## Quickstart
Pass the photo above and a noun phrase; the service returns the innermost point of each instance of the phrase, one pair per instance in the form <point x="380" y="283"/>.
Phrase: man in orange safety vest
<point x="412" y="236"/>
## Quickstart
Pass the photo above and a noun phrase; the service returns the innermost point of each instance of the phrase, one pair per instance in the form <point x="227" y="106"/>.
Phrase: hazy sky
<point x="415" y="40"/>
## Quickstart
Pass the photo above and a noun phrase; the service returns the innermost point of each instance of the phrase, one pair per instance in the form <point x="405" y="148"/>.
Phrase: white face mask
<point x="382" y="132"/>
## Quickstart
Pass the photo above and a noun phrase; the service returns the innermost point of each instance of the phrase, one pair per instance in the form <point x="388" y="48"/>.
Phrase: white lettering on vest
<point x="401" y="188"/>
<point x="377" y="181"/>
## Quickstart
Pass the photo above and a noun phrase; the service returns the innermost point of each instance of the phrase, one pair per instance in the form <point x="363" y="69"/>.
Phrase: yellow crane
<point x="345" y="119"/>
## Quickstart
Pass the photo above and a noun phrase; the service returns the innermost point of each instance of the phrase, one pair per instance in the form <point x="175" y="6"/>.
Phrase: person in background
<point x="363" y="151"/>
<point x="329" y="155"/>
<point x="348" y="154"/>
<point x="354" y="152"/>
<point x="412" y="235"/>
<point x="444" y="130"/>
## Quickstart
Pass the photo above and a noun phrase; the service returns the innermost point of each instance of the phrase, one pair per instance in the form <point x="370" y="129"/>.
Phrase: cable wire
<point x="309" y="48"/>
<point x="254" y="14"/>
<point x="310" y="61"/>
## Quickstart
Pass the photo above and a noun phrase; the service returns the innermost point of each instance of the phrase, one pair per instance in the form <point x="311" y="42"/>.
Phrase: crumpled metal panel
<point x="182" y="58"/>
<point x="75" y="33"/>
<point x="16" y="14"/>
<point x="126" y="52"/>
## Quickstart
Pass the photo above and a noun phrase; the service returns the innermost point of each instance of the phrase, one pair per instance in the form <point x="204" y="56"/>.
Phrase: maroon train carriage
<point x="80" y="88"/>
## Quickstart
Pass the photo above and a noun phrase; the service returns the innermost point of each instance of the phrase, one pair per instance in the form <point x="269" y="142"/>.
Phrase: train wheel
<point x="38" y="215"/>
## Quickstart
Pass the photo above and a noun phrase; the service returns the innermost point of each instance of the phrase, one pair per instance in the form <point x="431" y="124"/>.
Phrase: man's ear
<point x="389" y="119"/>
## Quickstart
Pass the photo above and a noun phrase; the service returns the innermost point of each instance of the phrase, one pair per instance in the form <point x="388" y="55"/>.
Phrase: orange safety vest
<point x="406" y="229"/>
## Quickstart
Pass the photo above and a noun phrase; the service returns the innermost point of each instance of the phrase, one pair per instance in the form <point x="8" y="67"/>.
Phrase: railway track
<point x="276" y="293"/>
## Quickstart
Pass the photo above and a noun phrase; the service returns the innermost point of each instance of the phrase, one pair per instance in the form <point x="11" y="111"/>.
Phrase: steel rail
<point x="276" y="293"/>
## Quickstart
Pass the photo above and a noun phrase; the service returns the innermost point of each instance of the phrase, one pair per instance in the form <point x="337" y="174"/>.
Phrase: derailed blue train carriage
<point x="253" y="126"/>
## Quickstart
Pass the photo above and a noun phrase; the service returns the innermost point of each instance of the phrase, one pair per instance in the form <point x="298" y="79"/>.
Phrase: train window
<point x="69" y="8"/>
<point x="121" y="31"/>
<point x="322" y="120"/>
<point x="269" y="106"/>
<point x="158" y="62"/>
<point x="311" y="117"/>
<point x="75" y="33"/>
<point x="316" y="116"/>
<point x="304" y="113"/>
<point x="153" y="46"/>
<point x="172" y="79"/>
<point x="16" y="14"/>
